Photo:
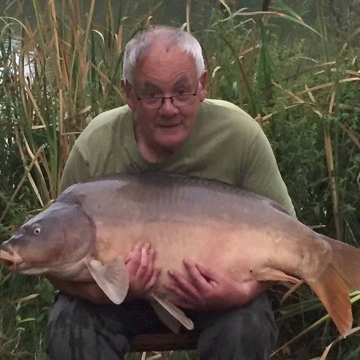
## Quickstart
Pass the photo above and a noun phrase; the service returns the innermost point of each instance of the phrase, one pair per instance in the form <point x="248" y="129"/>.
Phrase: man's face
<point x="165" y="72"/>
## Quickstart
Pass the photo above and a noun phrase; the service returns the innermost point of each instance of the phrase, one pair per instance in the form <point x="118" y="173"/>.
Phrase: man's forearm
<point x="88" y="291"/>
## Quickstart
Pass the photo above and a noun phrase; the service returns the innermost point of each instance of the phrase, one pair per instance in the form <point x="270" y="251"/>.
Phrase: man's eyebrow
<point x="150" y="84"/>
<point x="183" y="80"/>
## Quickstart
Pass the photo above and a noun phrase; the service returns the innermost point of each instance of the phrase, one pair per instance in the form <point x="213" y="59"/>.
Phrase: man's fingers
<point x="144" y="262"/>
<point x="185" y="297"/>
<point x="150" y="267"/>
<point x="208" y="273"/>
<point x="135" y="258"/>
<point x="196" y="276"/>
<point x="138" y="246"/>
<point x="127" y="258"/>
<point x="144" y="254"/>
<point x="213" y="283"/>
<point x="185" y="304"/>
<point x="186" y="286"/>
<point x="136" y="252"/>
<point x="153" y="279"/>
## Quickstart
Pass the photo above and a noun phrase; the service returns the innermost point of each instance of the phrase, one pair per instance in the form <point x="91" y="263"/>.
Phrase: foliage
<point x="302" y="88"/>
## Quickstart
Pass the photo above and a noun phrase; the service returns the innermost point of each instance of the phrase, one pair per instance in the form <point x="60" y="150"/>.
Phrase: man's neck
<point x="151" y="153"/>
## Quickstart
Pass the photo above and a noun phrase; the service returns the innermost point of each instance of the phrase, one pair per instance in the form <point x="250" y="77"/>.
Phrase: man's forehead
<point x="159" y="68"/>
<point x="183" y="79"/>
<point x="159" y="47"/>
<point x="162" y="55"/>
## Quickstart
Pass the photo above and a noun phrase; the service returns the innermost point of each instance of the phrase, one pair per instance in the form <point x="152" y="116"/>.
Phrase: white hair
<point x="168" y="36"/>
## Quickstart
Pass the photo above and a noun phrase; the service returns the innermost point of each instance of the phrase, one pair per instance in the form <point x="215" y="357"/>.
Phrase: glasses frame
<point x="163" y="98"/>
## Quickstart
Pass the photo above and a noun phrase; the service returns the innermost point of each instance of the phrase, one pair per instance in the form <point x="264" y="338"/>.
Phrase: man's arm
<point x="260" y="174"/>
<point x="76" y="169"/>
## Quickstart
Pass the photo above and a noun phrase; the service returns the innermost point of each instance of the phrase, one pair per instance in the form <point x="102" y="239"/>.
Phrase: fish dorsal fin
<point x="170" y="314"/>
<point x="112" y="278"/>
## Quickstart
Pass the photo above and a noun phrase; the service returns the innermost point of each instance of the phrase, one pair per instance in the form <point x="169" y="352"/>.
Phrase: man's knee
<point x="76" y="331"/>
<point x="246" y="333"/>
<point x="253" y="334"/>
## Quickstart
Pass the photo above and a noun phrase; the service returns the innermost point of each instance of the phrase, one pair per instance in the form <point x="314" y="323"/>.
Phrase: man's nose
<point x="168" y="108"/>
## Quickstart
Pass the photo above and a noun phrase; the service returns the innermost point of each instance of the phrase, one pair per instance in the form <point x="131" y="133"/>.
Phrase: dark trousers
<point x="78" y="330"/>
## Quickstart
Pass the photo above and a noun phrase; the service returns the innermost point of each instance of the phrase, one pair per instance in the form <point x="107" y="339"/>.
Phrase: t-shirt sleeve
<point x="261" y="173"/>
<point x="76" y="169"/>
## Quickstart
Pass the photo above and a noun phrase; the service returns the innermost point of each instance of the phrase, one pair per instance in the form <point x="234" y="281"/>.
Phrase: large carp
<point x="86" y="233"/>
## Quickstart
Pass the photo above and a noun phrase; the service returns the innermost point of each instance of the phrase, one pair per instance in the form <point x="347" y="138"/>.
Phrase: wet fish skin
<point x="233" y="231"/>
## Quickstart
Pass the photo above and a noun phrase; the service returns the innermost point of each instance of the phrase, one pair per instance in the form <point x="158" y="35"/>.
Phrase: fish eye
<point x="37" y="230"/>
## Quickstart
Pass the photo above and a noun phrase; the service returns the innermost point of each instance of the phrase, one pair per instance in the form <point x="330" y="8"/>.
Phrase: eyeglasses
<point x="155" y="102"/>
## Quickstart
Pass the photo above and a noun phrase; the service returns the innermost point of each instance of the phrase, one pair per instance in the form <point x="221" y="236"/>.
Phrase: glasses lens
<point x="182" y="100"/>
<point x="152" y="103"/>
<point x="179" y="100"/>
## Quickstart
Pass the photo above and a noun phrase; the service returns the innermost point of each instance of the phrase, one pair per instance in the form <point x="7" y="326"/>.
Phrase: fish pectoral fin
<point x="112" y="278"/>
<point x="333" y="292"/>
<point x="271" y="274"/>
<point x="170" y="314"/>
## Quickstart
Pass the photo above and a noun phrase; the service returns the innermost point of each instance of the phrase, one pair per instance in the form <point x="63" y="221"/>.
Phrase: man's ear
<point x="129" y="95"/>
<point x="202" y="91"/>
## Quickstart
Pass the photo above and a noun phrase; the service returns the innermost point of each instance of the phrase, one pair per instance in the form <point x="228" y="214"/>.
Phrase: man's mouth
<point x="169" y="125"/>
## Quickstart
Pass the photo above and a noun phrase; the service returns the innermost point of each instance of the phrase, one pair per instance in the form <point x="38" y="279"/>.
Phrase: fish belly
<point x="230" y="250"/>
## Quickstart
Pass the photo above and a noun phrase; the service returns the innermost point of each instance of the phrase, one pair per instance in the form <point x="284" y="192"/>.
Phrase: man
<point x="168" y="125"/>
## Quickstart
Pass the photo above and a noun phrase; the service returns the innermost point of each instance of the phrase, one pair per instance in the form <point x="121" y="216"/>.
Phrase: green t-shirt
<point x="226" y="144"/>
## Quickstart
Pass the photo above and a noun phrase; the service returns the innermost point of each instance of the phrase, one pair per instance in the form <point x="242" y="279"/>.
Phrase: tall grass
<point x="303" y="91"/>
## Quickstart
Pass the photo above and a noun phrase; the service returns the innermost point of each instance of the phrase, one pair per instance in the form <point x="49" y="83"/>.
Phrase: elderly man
<point x="168" y="125"/>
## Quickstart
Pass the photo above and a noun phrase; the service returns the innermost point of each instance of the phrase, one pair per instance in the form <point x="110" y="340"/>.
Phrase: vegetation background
<point x="293" y="65"/>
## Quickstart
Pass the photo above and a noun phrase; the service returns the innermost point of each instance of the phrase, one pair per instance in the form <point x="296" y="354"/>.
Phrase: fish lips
<point x="10" y="257"/>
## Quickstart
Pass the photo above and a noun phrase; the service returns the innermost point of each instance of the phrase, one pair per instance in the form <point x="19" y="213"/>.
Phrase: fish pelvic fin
<point x="333" y="292"/>
<point x="291" y="290"/>
<point x="271" y="274"/>
<point x="112" y="278"/>
<point x="346" y="260"/>
<point x="170" y="314"/>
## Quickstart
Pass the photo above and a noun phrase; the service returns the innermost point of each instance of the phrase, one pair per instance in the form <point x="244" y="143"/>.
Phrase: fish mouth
<point x="10" y="258"/>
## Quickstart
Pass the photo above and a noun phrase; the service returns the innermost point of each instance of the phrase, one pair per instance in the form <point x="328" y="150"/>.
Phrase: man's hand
<point x="209" y="290"/>
<point x="143" y="275"/>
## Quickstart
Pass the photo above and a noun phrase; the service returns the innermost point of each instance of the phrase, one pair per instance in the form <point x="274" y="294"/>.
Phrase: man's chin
<point x="171" y="141"/>
<point x="171" y="137"/>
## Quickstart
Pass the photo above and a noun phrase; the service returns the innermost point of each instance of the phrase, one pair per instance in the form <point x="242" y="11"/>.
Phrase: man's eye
<point x="181" y="92"/>
<point x="152" y="95"/>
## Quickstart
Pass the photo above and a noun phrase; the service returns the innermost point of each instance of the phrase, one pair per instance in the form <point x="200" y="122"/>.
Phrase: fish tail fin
<point x="333" y="292"/>
<point x="346" y="260"/>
